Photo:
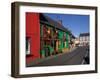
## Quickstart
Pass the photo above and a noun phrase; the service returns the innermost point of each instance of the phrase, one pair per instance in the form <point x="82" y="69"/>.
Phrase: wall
<point x="5" y="40"/>
<point x="33" y="32"/>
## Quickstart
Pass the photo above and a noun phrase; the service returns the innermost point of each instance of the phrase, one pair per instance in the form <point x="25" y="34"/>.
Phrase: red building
<point x="32" y="36"/>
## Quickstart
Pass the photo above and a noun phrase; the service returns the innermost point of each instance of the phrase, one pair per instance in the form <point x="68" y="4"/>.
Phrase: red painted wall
<point x="33" y="31"/>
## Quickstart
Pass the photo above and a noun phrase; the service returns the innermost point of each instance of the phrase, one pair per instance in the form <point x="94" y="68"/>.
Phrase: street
<point x="74" y="57"/>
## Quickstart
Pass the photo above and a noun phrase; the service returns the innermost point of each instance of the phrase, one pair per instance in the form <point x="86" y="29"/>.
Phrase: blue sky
<point x="76" y="23"/>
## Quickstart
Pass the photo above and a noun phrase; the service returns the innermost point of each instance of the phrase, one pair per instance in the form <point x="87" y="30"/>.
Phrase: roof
<point x="52" y="22"/>
<point x="84" y="34"/>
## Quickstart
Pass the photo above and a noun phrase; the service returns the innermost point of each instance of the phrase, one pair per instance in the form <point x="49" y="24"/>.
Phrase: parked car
<point x="86" y="58"/>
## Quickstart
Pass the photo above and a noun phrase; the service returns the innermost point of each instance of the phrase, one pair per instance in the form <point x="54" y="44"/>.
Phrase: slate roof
<point x="52" y="22"/>
<point x="84" y="34"/>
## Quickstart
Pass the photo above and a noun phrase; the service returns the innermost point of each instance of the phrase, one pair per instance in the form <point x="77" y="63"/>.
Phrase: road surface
<point x="72" y="58"/>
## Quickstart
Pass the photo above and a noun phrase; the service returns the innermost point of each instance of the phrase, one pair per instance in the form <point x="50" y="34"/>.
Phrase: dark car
<point x="86" y="59"/>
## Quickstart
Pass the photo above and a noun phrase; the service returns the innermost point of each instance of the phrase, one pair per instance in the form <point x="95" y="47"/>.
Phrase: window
<point x="80" y="38"/>
<point x="27" y="45"/>
<point x="44" y="31"/>
<point x="84" y="38"/>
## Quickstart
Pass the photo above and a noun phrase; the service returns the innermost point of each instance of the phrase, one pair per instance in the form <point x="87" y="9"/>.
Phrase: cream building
<point x="84" y="39"/>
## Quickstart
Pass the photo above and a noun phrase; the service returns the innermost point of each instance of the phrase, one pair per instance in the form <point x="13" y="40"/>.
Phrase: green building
<point x="55" y="38"/>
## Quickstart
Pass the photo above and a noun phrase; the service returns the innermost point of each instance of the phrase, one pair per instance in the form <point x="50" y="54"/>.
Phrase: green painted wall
<point x="67" y="44"/>
<point x="42" y="52"/>
<point x="51" y="49"/>
<point x="60" y="36"/>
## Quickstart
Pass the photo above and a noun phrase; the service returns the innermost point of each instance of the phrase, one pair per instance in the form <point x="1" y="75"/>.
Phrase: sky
<point x="75" y="23"/>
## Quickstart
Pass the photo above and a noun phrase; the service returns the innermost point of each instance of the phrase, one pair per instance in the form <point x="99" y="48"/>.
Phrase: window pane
<point x="27" y="45"/>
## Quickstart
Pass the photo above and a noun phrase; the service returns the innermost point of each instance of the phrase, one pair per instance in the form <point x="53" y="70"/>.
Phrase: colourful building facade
<point x="44" y="37"/>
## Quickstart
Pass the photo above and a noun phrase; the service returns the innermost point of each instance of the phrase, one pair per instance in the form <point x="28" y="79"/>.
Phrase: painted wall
<point x="33" y="32"/>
